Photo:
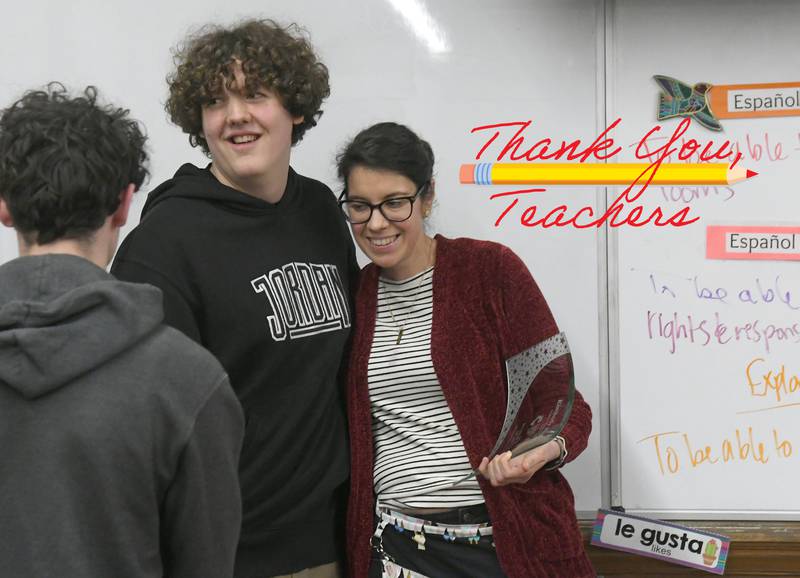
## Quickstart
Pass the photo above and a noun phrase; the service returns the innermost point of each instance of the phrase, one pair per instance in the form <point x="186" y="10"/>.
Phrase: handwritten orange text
<point x="765" y="382"/>
<point x="675" y="451"/>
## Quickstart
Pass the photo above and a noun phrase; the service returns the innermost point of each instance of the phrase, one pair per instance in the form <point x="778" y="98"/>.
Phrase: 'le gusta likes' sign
<point x="656" y="539"/>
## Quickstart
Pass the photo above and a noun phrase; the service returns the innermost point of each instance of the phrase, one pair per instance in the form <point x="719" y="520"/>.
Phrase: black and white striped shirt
<point x="419" y="454"/>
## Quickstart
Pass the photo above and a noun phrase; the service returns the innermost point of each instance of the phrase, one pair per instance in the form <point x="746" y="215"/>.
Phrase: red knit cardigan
<point x="486" y="308"/>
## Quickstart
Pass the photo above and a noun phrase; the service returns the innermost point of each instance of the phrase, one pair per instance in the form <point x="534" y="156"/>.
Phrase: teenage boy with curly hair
<point x="255" y="263"/>
<point x="120" y="436"/>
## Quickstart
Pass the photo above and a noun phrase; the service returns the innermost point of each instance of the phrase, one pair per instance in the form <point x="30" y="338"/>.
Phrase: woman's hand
<point x="503" y="469"/>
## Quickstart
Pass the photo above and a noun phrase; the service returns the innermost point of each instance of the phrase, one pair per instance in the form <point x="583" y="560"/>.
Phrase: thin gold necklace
<point x="401" y="327"/>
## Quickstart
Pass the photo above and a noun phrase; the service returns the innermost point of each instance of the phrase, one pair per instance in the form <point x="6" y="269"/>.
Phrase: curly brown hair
<point x="64" y="161"/>
<point x="280" y="58"/>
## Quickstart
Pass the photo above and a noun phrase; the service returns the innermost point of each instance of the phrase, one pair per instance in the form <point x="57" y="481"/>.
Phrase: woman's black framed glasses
<point x="396" y="209"/>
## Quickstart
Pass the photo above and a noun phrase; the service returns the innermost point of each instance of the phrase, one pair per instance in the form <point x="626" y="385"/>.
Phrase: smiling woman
<point x="387" y="167"/>
<point x="437" y="317"/>
<point x="393" y="237"/>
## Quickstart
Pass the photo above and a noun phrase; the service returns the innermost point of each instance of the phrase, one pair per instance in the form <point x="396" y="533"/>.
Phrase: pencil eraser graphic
<point x="467" y="174"/>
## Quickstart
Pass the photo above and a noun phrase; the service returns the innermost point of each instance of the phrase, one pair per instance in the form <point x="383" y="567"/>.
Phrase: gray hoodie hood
<point x="62" y="316"/>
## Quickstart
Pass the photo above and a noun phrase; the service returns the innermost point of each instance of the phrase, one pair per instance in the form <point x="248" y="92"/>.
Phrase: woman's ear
<point x="427" y="200"/>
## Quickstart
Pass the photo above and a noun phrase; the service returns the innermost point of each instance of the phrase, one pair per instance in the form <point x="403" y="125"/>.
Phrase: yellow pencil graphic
<point x="602" y="174"/>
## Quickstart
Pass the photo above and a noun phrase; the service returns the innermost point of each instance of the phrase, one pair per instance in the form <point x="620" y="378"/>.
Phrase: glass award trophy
<point x="541" y="390"/>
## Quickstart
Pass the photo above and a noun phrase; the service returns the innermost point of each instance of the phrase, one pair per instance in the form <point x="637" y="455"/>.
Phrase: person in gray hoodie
<point x="119" y="436"/>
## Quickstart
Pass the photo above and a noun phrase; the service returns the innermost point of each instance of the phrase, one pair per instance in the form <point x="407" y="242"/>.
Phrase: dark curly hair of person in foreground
<point x="65" y="161"/>
<point x="278" y="58"/>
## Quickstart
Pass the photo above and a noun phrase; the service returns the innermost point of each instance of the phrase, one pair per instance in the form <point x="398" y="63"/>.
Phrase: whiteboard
<point x="513" y="60"/>
<point x="682" y="384"/>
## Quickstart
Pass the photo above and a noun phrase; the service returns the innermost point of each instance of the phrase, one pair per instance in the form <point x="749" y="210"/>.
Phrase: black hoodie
<point x="119" y="437"/>
<point x="265" y="287"/>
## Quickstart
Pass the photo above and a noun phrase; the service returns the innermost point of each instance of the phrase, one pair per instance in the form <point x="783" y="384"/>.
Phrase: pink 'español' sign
<point x="753" y="242"/>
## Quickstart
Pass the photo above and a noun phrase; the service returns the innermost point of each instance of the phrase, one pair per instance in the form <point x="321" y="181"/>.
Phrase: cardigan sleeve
<point x="528" y="320"/>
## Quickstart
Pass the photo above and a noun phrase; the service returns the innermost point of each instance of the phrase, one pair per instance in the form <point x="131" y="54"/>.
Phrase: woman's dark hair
<point x="391" y="147"/>
<point x="64" y="162"/>
<point x="279" y="58"/>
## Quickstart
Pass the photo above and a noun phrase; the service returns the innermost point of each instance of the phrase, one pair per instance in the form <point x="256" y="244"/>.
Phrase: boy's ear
<point x="120" y="216"/>
<point x="5" y="214"/>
